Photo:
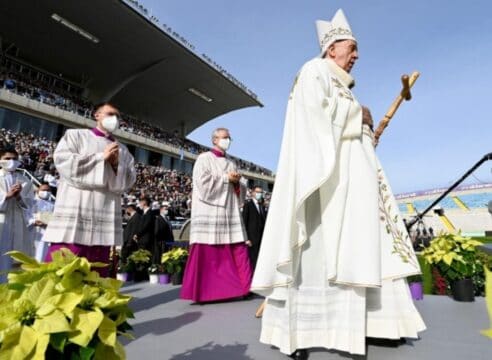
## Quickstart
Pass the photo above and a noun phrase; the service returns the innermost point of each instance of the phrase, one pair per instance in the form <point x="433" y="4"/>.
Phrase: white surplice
<point x="215" y="212"/>
<point x="88" y="203"/>
<point x="335" y="252"/>
<point x="14" y="216"/>
<point x="43" y="211"/>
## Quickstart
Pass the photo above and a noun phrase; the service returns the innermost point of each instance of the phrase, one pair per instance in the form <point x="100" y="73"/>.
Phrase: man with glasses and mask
<point x="218" y="266"/>
<point x="95" y="169"/>
<point x="16" y="200"/>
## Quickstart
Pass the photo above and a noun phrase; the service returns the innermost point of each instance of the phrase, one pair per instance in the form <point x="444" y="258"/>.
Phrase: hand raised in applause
<point x="111" y="154"/>
<point x="14" y="191"/>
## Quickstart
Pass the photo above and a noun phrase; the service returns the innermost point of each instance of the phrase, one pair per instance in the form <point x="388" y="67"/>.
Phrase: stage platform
<point x="166" y="327"/>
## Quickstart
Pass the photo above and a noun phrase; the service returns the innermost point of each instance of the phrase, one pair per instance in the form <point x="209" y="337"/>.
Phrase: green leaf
<point x="85" y="324"/>
<point x="22" y="258"/>
<point x="53" y="323"/>
<point x="22" y="348"/>
<point x="110" y="353"/>
<point x="58" y="341"/>
<point x="66" y="302"/>
<point x="41" y="346"/>
<point x="107" y="332"/>
<point x="86" y="353"/>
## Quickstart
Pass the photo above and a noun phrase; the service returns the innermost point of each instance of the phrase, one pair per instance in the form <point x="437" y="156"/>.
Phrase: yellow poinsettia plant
<point x="454" y="255"/>
<point x="61" y="309"/>
<point x="174" y="260"/>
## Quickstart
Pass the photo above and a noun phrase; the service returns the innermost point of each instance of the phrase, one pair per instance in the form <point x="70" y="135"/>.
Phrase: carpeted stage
<point x="166" y="327"/>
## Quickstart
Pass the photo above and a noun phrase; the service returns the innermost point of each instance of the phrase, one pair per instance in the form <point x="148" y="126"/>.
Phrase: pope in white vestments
<point x="95" y="170"/>
<point x="16" y="200"/>
<point x="218" y="267"/>
<point x="335" y="252"/>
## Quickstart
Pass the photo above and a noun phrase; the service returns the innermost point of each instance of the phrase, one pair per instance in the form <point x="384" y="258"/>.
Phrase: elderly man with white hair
<point x="218" y="266"/>
<point x="335" y="252"/>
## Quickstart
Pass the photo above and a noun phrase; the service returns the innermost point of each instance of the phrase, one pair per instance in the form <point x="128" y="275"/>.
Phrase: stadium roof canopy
<point x="119" y="54"/>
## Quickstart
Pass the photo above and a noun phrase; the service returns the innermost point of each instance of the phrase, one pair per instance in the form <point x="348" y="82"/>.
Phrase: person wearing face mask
<point x="335" y="253"/>
<point x="41" y="214"/>
<point x="16" y="202"/>
<point x="254" y="218"/>
<point x="163" y="231"/>
<point x="218" y="266"/>
<point x="95" y="169"/>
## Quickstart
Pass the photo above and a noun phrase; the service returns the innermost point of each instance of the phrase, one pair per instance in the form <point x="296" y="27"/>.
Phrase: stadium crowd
<point x="55" y="92"/>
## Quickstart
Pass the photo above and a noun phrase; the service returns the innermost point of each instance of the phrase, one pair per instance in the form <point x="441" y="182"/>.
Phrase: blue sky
<point x="432" y="140"/>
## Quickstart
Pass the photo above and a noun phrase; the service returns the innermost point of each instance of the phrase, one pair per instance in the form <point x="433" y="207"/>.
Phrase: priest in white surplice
<point x="16" y="201"/>
<point x="335" y="252"/>
<point x="95" y="169"/>
<point x="218" y="266"/>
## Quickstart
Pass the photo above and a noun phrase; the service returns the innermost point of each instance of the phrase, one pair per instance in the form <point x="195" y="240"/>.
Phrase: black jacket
<point x="131" y="229"/>
<point x="145" y="232"/>
<point x="163" y="233"/>
<point x="254" y="223"/>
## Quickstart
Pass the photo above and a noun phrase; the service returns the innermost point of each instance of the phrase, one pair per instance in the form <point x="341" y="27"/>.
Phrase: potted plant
<point x="455" y="258"/>
<point x="124" y="270"/>
<point x="164" y="277"/>
<point x="141" y="261"/>
<point x="174" y="261"/>
<point x="61" y="310"/>
<point x="415" y="282"/>
<point x="154" y="274"/>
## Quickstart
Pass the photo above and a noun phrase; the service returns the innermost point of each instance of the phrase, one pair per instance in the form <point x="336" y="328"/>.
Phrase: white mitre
<point x="337" y="29"/>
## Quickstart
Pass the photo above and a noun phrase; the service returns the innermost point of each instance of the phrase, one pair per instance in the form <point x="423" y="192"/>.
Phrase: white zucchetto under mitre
<point x="337" y="29"/>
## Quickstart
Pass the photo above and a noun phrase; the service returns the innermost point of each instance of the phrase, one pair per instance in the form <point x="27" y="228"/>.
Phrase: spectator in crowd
<point x="16" y="201"/>
<point x="95" y="171"/>
<point x="254" y="218"/>
<point x="40" y="217"/>
<point x="155" y="208"/>
<point x="51" y="179"/>
<point x="163" y="232"/>
<point x="72" y="101"/>
<point x="218" y="266"/>
<point x="133" y="221"/>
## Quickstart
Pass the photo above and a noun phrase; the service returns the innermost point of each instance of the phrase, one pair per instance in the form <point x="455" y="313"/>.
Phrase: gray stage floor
<point x="168" y="328"/>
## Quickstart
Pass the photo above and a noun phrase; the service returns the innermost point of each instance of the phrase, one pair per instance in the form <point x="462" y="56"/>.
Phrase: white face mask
<point x="224" y="144"/>
<point x="45" y="195"/>
<point x="164" y="212"/>
<point x="10" y="165"/>
<point x="110" y="123"/>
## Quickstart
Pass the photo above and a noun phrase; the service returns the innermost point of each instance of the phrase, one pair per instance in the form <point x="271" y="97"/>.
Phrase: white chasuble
<point x="215" y="213"/>
<point x="333" y="249"/>
<point x="88" y="204"/>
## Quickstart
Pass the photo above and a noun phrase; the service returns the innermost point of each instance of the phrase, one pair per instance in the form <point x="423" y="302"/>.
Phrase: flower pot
<point x="417" y="290"/>
<point x="153" y="278"/>
<point x="462" y="290"/>
<point x="164" y="279"/>
<point x="122" y="276"/>
<point x="177" y="278"/>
